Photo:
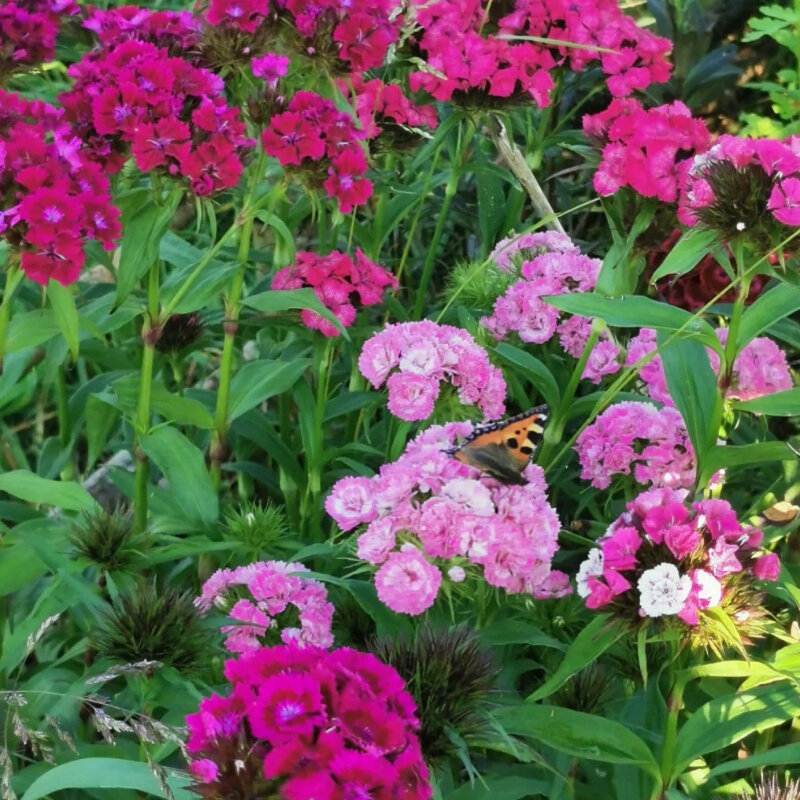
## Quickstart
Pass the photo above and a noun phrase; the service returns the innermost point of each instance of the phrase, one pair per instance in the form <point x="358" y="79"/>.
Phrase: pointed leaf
<point x="33" y="489"/>
<point x="259" y="380"/>
<point x="768" y="309"/>
<point x="62" y="301"/>
<point x="280" y="301"/>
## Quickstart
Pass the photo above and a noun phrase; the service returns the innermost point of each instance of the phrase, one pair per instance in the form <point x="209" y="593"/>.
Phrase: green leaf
<point x="100" y="421"/>
<point x="637" y="312"/>
<point x="33" y="489"/>
<point x="779" y="756"/>
<point x="105" y="773"/>
<point x="745" y="454"/>
<point x="780" y="404"/>
<point x="768" y="309"/>
<point x="726" y="720"/>
<point x="143" y="225"/>
<point x="282" y="231"/>
<point x="184" y="467"/>
<point x="692" y="385"/>
<point x="581" y="735"/>
<point x="690" y="249"/>
<point x="502" y="787"/>
<point x="534" y="370"/>
<point x="591" y="642"/>
<point x="259" y="380"/>
<point x="31" y="329"/>
<point x="62" y="301"/>
<point x="280" y="301"/>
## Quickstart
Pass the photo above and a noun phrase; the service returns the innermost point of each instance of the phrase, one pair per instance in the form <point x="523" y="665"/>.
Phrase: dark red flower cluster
<point x="323" y="144"/>
<point x="308" y="723"/>
<point x="28" y="31"/>
<point x="362" y="30"/>
<point x="169" y="114"/>
<point x="648" y="150"/>
<point x="469" y="50"/>
<point x="697" y="287"/>
<point x="54" y="198"/>
<point x="339" y="282"/>
<point x="383" y="106"/>
<point x="176" y="30"/>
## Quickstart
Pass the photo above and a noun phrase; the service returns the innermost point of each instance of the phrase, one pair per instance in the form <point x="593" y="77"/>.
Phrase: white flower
<point x="663" y="590"/>
<point x="472" y="496"/>
<point x="421" y="358"/>
<point x="592" y="567"/>
<point x="709" y="589"/>
<point x="456" y="574"/>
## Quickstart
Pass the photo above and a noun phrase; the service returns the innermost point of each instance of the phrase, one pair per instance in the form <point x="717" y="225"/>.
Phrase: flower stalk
<point x="13" y="277"/>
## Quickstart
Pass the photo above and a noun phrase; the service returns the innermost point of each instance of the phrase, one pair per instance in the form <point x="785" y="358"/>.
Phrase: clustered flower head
<point x="475" y="55"/>
<point x="28" y="32"/>
<point x="511" y="253"/>
<point x="744" y="185"/>
<point x="424" y="355"/>
<point x="339" y="282"/>
<point x="666" y="558"/>
<point x="760" y="368"/>
<point x="178" y="31"/>
<point x="634" y="438"/>
<point x="262" y="592"/>
<point x="302" y="723"/>
<point x="169" y="114"/>
<point x="522" y="309"/>
<point x="427" y="512"/>
<point x="386" y="114"/>
<point x="648" y="150"/>
<point x="706" y="281"/>
<point x="322" y="146"/>
<point x="53" y="197"/>
<point x="355" y="35"/>
<point x="241" y="15"/>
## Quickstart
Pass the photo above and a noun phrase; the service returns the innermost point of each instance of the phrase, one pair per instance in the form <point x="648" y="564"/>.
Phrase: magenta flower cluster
<point x="672" y="559"/>
<point x="310" y="723"/>
<point x="760" y="368"/>
<point x="637" y="439"/>
<point x="54" y="198"/>
<point x="323" y="144"/>
<point x="424" y="356"/>
<point x="778" y="161"/>
<point x="178" y="31"/>
<point x="256" y="595"/>
<point x="339" y="282"/>
<point x="522" y="310"/>
<point x="428" y="512"/>
<point x="649" y="150"/>
<point x="169" y="114"/>
<point x="462" y="59"/>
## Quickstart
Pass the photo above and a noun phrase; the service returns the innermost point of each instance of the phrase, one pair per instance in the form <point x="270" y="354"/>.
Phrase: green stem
<point x="64" y="427"/>
<point x="13" y="277"/>
<point x="233" y="308"/>
<point x="151" y="332"/>
<point x="674" y="708"/>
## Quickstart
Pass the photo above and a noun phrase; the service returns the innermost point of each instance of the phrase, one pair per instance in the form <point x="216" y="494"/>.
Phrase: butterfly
<point x="504" y="448"/>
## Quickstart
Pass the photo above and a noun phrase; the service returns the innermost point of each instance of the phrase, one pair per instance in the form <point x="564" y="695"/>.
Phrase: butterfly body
<point x="504" y="448"/>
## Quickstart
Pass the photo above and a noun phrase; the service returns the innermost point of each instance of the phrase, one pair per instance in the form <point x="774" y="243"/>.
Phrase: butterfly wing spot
<point x="512" y="442"/>
<point x="527" y="450"/>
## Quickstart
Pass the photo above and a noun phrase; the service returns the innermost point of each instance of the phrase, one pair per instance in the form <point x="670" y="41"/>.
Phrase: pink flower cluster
<point x="337" y="280"/>
<point x="171" y="115"/>
<point x="428" y="512"/>
<point x="178" y="31"/>
<point x="760" y="368"/>
<point x="671" y="559"/>
<point x="776" y="161"/>
<point x="28" y="31"/>
<point x="363" y="30"/>
<point x="510" y="253"/>
<point x="382" y="105"/>
<point x="241" y="15"/>
<point x="329" y="725"/>
<point x="639" y="439"/>
<point x="426" y="354"/>
<point x="523" y="310"/>
<point x="323" y="144"/>
<point x="648" y="150"/>
<point x="54" y="197"/>
<point x="462" y="58"/>
<point x="272" y="589"/>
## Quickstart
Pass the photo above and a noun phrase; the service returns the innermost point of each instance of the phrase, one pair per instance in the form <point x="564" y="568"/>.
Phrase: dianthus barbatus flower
<point x="666" y="558"/>
<point x="428" y="512"/>
<point x="339" y="282"/>
<point x="56" y="197"/>
<point x="257" y="594"/>
<point x="637" y="439"/>
<point x="426" y="355"/>
<point x="308" y="723"/>
<point x="760" y="368"/>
